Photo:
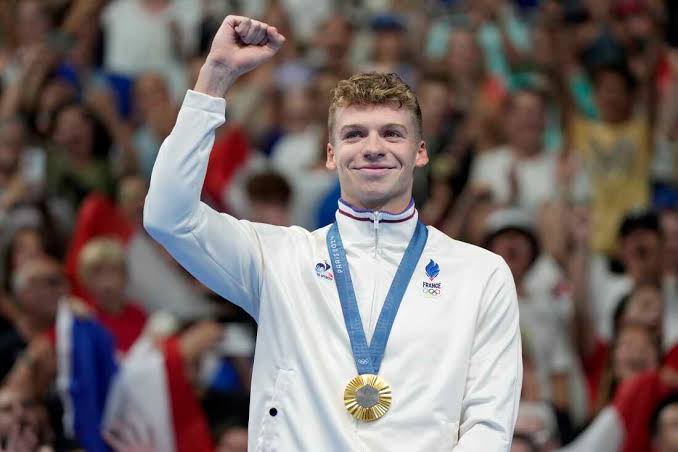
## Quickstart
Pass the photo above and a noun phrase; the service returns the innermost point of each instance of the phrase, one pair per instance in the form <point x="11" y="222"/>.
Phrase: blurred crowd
<point x="552" y="131"/>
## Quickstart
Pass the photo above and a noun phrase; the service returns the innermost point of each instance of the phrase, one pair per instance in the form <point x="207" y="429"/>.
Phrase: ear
<point x="422" y="155"/>
<point x="330" y="164"/>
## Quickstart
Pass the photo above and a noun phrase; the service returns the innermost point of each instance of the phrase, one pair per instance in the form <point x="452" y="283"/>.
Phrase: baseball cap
<point x="511" y="219"/>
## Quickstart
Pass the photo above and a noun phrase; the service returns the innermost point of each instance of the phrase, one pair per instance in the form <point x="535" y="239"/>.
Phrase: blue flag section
<point x="86" y="367"/>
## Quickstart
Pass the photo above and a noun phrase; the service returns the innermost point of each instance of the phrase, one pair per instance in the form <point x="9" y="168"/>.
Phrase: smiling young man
<point x="335" y="369"/>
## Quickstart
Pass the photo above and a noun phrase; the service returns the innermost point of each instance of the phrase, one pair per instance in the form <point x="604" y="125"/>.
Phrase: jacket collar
<point x="375" y="228"/>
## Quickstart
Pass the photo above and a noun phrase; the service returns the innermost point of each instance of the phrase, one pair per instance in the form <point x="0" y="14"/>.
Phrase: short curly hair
<point x="374" y="88"/>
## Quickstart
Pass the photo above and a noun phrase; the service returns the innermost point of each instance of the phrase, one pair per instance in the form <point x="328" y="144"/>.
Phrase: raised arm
<point x="217" y="249"/>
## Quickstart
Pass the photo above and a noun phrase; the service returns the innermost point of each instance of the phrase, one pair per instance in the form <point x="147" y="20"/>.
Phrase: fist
<point x="241" y="44"/>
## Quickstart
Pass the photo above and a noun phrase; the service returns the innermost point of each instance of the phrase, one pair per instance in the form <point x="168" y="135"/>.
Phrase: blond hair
<point x="374" y="88"/>
<point x="99" y="251"/>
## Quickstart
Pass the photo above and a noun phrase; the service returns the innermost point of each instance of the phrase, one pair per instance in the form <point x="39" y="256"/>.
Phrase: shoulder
<point x="113" y="10"/>
<point x="488" y="162"/>
<point x="494" y="156"/>
<point x="280" y="236"/>
<point x="464" y="255"/>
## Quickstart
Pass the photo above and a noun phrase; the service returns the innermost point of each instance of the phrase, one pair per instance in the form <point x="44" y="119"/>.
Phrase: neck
<point x="526" y="149"/>
<point x="394" y="205"/>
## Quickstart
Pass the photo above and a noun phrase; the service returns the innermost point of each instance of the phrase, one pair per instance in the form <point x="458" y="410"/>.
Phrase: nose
<point x="373" y="149"/>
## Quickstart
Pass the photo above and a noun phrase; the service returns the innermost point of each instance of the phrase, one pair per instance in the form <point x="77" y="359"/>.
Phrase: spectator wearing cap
<point x="510" y="233"/>
<point x="389" y="50"/>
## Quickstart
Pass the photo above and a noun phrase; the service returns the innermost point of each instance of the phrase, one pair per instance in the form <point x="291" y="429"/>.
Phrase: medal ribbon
<point x="368" y="357"/>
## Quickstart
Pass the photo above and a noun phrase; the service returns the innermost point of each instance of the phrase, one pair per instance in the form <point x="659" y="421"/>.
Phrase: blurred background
<point x="552" y="128"/>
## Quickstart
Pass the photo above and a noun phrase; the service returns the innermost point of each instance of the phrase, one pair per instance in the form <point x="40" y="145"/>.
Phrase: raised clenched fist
<point x="240" y="45"/>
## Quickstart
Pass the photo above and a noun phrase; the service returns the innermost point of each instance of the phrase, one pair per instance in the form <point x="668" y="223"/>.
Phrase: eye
<point x="392" y="133"/>
<point x="353" y="134"/>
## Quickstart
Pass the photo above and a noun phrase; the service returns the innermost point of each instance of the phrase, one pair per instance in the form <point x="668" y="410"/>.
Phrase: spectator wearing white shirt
<point x="520" y="173"/>
<point x="149" y="35"/>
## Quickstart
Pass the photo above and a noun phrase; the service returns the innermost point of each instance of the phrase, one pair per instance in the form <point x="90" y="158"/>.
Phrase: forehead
<point x="373" y="116"/>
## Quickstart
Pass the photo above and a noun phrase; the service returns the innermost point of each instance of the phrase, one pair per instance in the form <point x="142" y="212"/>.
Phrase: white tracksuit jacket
<point x="453" y="358"/>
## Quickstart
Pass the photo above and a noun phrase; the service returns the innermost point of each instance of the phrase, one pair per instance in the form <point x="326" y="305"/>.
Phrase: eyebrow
<point x="390" y="125"/>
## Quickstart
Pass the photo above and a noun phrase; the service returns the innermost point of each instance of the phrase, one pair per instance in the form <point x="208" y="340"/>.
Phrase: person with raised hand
<point x="326" y="375"/>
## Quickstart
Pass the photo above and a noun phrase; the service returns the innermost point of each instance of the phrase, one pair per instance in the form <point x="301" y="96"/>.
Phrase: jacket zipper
<point x="377" y="218"/>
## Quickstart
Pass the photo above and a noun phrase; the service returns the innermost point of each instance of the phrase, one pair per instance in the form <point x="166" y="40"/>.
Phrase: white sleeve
<point x="494" y="380"/>
<point x="223" y="253"/>
<point x="605" y="434"/>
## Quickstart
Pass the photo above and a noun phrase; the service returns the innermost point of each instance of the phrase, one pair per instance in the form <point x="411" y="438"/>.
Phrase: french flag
<point x="144" y="403"/>
<point x="152" y="406"/>
<point x="86" y="366"/>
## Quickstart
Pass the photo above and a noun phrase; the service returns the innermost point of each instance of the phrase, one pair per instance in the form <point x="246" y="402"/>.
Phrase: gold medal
<point x="367" y="397"/>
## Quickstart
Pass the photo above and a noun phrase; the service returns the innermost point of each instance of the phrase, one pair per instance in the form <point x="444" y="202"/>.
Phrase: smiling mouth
<point x="375" y="170"/>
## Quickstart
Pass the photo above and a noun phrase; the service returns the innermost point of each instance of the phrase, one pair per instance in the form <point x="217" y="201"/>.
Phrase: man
<point x="451" y="372"/>
<point x="37" y="287"/>
<point x="520" y="173"/>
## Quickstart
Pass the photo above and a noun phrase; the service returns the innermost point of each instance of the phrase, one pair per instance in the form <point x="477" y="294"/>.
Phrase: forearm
<point x="215" y="79"/>
<point x="10" y="101"/>
<point x="179" y="171"/>
<point x="220" y="251"/>
<point x="582" y="323"/>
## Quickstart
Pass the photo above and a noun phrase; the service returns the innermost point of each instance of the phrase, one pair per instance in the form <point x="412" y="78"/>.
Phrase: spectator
<point x="80" y="164"/>
<point x="664" y="425"/>
<point x="104" y="273"/>
<point x="615" y="151"/>
<point x="155" y="280"/>
<point x="634" y="350"/>
<point x="156" y="113"/>
<point x="510" y="234"/>
<point x="24" y="423"/>
<point x="641" y="247"/>
<point x="269" y="197"/>
<point x="37" y="287"/>
<point x="520" y="173"/>
<point x="390" y="52"/>
<point x="156" y="23"/>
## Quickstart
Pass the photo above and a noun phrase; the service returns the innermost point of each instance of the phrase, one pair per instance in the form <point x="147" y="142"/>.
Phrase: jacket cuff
<point x="205" y="102"/>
